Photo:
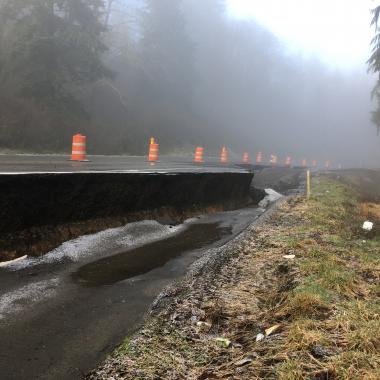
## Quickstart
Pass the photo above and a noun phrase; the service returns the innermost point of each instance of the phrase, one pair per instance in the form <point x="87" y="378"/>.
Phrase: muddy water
<point x="62" y="314"/>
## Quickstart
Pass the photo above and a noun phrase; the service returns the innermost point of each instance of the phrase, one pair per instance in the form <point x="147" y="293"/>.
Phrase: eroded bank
<point x="38" y="212"/>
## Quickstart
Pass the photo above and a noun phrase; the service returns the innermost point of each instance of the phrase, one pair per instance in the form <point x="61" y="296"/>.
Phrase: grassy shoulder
<point x="308" y="281"/>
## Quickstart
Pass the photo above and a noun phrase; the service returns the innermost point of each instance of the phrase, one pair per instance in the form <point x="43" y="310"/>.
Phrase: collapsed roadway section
<point x="41" y="210"/>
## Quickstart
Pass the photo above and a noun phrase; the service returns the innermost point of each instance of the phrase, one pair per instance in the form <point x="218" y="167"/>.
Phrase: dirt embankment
<point x="40" y="211"/>
<point x="293" y="298"/>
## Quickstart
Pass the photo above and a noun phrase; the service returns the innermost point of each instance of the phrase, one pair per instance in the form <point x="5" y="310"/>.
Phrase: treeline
<point x="50" y="52"/>
<point x="374" y="65"/>
<point x="183" y="71"/>
<point x="178" y="70"/>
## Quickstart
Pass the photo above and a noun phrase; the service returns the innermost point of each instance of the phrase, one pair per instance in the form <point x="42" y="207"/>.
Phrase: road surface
<point x="18" y="164"/>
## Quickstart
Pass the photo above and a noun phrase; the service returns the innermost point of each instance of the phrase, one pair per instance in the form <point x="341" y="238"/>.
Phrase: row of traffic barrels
<point x="79" y="153"/>
<point x="153" y="155"/>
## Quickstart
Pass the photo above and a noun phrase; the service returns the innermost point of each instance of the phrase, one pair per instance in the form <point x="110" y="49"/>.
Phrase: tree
<point x="374" y="64"/>
<point x="161" y="90"/>
<point x="166" y="52"/>
<point x="49" y="49"/>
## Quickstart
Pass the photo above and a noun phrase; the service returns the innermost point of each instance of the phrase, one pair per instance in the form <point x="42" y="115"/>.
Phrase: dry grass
<point x="371" y="210"/>
<point x="325" y="301"/>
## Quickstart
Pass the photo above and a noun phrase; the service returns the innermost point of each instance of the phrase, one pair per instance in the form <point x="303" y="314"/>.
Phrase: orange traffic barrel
<point x="246" y="157"/>
<point x="273" y="159"/>
<point x="153" y="151"/>
<point x="288" y="161"/>
<point x="198" y="155"/>
<point x="259" y="158"/>
<point x="327" y="164"/>
<point x="79" y="152"/>
<point x="304" y="163"/>
<point x="314" y="163"/>
<point x="224" y="155"/>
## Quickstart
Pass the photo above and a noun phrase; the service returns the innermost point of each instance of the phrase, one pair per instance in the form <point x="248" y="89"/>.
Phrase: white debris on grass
<point x="367" y="226"/>
<point x="272" y="196"/>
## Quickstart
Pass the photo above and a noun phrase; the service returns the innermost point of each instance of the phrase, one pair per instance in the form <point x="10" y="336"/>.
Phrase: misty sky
<point x="327" y="44"/>
<point x="335" y="31"/>
<point x="338" y="34"/>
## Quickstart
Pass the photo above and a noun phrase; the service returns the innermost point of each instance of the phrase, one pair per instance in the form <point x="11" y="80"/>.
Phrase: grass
<point x="334" y="288"/>
<point x="326" y="301"/>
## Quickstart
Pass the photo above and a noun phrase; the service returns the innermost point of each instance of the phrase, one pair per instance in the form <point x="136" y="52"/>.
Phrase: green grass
<point x="124" y="348"/>
<point x="333" y="290"/>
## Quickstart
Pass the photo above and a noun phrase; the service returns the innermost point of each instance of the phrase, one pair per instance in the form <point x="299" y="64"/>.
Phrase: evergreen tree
<point x="50" y="48"/>
<point x="374" y="65"/>
<point x="166" y="52"/>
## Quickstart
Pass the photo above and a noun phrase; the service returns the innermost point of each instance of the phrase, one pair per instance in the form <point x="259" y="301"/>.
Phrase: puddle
<point x="138" y="261"/>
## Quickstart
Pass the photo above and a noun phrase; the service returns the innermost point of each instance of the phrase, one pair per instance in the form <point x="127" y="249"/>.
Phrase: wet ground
<point x="62" y="313"/>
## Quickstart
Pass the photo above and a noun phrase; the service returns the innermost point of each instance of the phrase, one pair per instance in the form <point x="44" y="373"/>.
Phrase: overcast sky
<point x="335" y="31"/>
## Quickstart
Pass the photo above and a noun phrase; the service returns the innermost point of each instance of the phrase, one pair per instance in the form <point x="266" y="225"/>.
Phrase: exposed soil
<point x="37" y="241"/>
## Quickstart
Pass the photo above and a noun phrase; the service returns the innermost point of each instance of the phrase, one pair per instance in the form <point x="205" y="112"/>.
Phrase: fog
<point x="188" y="73"/>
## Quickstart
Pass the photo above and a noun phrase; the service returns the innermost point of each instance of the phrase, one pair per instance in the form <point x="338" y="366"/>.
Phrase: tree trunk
<point x="108" y="12"/>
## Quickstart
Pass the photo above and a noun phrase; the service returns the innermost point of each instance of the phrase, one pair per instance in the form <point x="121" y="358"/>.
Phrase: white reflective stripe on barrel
<point x="80" y="152"/>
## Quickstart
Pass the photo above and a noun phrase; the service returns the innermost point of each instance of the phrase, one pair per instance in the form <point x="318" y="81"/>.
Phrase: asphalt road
<point x="20" y="164"/>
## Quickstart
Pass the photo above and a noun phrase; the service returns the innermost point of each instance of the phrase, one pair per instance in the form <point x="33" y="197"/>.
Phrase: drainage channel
<point x="62" y="314"/>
